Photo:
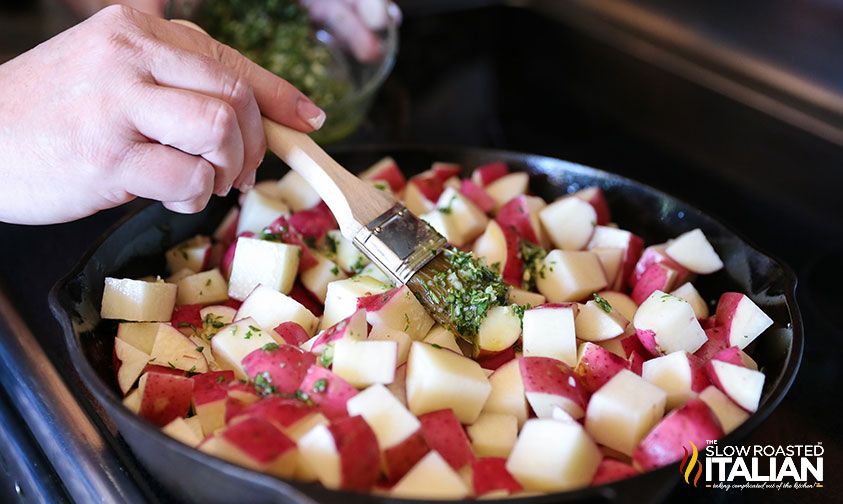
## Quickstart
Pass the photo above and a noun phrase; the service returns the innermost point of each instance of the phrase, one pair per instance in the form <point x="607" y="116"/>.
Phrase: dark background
<point x="598" y="89"/>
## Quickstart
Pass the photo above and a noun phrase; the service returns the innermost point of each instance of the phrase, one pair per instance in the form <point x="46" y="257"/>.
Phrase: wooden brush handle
<point x="353" y="202"/>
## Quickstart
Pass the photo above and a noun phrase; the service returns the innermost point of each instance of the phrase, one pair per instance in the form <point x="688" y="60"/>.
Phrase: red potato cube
<point x="328" y="391"/>
<point x="499" y="245"/>
<point x="285" y="231"/>
<point x="392" y="421"/>
<point x="570" y="222"/>
<point x="488" y="173"/>
<point x="499" y="330"/>
<point x="353" y="327"/>
<point x="190" y="254"/>
<point x="421" y="193"/>
<point x="296" y="192"/>
<point x="692" y="423"/>
<point x="228" y="255"/>
<point x="177" y="351"/>
<point x="693" y="251"/>
<point x="493" y="434"/>
<point x="132" y="364"/>
<point x="548" y="383"/>
<point x="570" y="275"/>
<point x="550" y="331"/>
<point x="521" y="214"/>
<point x="431" y="478"/>
<point x="269" y="308"/>
<point x="594" y="196"/>
<point x="342" y="297"/>
<point x="444" y="171"/>
<point x="258" y="209"/>
<point x="344" y="455"/>
<point x="400" y="458"/>
<point x="477" y="195"/>
<point x="285" y="413"/>
<point x="261" y="262"/>
<point x="742" y="319"/>
<point x="689" y="293"/>
<point x="386" y="170"/>
<point x="611" y="470"/>
<point x="237" y="340"/>
<point x="366" y="362"/>
<point x="226" y="231"/>
<point x="728" y="413"/>
<point x="680" y="374"/>
<point x="631" y="244"/>
<point x="187" y="319"/>
<point x="442" y="432"/>
<point x="553" y="456"/>
<point x="306" y="299"/>
<point x="507" y="187"/>
<point x="490" y="474"/>
<point x="657" y="277"/>
<point x="499" y="359"/>
<point x="164" y="397"/>
<point x="598" y="321"/>
<point x="205" y="288"/>
<point x="741" y="384"/>
<point x="636" y="362"/>
<point x="137" y="301"/>
<point x="210" y="392"/>
<point x="611" y="259"/>
<point x="292" y="333"/>
<point x="398" y="387"/>
<point x="597" y="365"/>
<point x="655" y="254"/>
<point x="140" y="335"/>
<point x="283" y="366"/>
<point x="256" y="444"/>
<point x="666" y="324"/>
<point x="397" y="309"/>
<point x="508" y="396"/>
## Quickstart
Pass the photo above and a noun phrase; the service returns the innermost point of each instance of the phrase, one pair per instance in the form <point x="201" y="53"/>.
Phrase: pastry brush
<point x="454" y="287"/>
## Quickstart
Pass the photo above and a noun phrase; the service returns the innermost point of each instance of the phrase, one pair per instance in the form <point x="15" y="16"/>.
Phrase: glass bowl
<point x="359" y="80"/>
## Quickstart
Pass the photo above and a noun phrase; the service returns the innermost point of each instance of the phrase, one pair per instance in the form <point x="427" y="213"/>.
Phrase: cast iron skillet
<point x="135" y="246"/>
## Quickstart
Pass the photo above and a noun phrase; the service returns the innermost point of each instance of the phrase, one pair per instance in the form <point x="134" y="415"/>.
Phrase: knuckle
<point x="202" y="181"/>
<point x="224" y="122"/>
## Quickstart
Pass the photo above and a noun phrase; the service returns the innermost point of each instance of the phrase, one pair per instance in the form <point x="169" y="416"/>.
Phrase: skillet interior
<point x="135" y="246"/>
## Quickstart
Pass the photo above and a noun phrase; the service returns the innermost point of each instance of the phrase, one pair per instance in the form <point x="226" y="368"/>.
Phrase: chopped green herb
<point x="327" y="357"/>
<point x="187" y="324"/>
<point x="448" y="209"/>
<point x="213" y="321"/>
<point x="533" y="257"/>
<point x="208" y="283"/>
<point x="381" y="187"/>
<point x="303" y="397"/>
<point x="310" y="241"/>
<point x="171" y="364"/>
<point x="602" y="303"/>
<point x="153" y="359"/>
<point x="320" y="385"/>
<point x="270" y="347"/>
<point x="234" y="330"/>
<point x="434" y="345"/>
<point x="192" y="369"/>
<point x="335" y="270"/>
<point x="332" y="243"/>
<point x="406" y="322"/>
<point x="256" y="329"/>
<point x="358" y="266"/>
<point x="200" y="348"/>
<point x="220" y="378"/>
<point x="263" y="384"/>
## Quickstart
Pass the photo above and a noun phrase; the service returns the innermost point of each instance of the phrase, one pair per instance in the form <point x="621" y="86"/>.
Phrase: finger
<point x="184" y="182"/>
<point x="194" y="123"/>
<point x="182" y="69"/>
<point x="278" y="99"/>
<point x="347" y="26"/>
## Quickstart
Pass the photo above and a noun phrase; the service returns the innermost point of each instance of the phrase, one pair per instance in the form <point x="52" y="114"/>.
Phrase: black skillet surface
<point x="135" y="246"/>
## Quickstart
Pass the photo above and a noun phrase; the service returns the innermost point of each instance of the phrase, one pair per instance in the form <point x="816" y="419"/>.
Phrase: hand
<point x="354" y="21"/>
<point x="127" y="105"/>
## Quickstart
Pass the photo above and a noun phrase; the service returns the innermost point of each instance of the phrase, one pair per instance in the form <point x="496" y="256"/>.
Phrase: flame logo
<point x="691" y="464"/>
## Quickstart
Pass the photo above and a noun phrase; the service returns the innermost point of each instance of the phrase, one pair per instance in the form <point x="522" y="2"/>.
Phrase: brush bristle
<point x="458" y="290"/>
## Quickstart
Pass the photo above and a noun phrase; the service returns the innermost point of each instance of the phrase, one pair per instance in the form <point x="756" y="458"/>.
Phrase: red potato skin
<point x="306" y="299"/>
<point x="513" y="270"/>
<point x="283" y="412"/>
<point x="611" y="470"/>
<point x="258" y="438"/>
<point x="732" y="355"/>
<point x="442" y="432"/>
<point x="282" y="227"/>
<point x="314" y="222"/>
<point x="444" y="171"/>
<point x="647" y="338"/>
<point x="515" y="215"/>
<point x="499" y="359"/>
<point x="699" y="377"/>
<point x="234" y="408"/>
<point x="488" y="173"/>
<point x="597" y="366"/>
<point x="167" y="370"/>
<point x="630" y="257"/>
<point x="657" y="276"/>
<point x="286" y="366"/>
<point x="292" y="333"/>
<point x="165" y="397"/>
<point x="631" y="344"/>
<point x="430" y="186"/>
<point x="233" y="303"/>
<point x="477" y="195"/>
<point x="636" y="362"/>
<point x="399" y="459"/>
<point x="715" y="379"/>
<point x="390" y="174"/>
<point x="551" y="376"/>
<point x="332" y="401"/>
<point x="655" y="255"/>
<point x="708" y="323"/>
<point x="337" y="331"/>
<point x="358" y="450"/>
<point x="489" y="474"/>
<point x="724" y="314"/>
<point x="184" y="315"/>
<point x="213" y="258"/>
<point x="227" y="235"/>
<point x="718" y="340"/>
<point x="693" y="422"/>
<point x="595" y="197"/>
<point x="375" y="302"/>
<point x="228" y="257"/>
<point x="209" y="387"/>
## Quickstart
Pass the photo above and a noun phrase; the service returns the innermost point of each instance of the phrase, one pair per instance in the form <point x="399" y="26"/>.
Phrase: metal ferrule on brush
<point x="399" y="243"/>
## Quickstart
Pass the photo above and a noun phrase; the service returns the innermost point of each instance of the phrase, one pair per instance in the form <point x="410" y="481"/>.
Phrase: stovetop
<point x="527" y="82"/>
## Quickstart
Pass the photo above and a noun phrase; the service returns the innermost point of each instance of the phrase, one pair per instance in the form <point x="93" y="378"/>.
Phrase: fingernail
<point x="224" y="191"/>
<point x="249" y="183"/>
<point x="310" y="113"/>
